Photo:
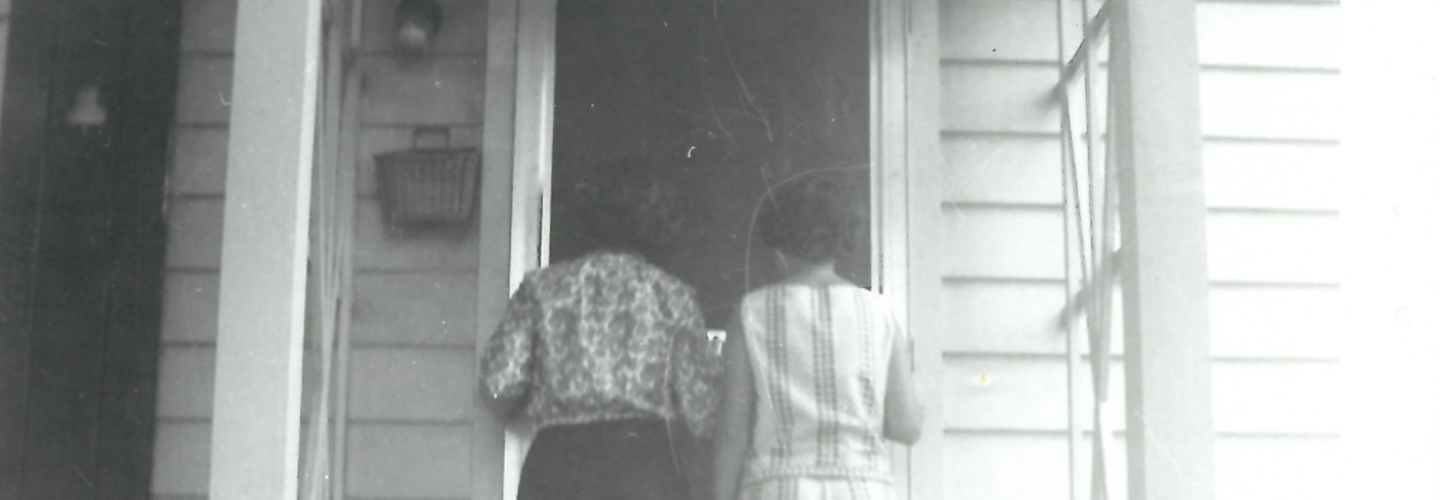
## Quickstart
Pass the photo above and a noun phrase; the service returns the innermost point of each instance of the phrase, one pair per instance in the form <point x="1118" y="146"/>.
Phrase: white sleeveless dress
<point x="820" y="356"/>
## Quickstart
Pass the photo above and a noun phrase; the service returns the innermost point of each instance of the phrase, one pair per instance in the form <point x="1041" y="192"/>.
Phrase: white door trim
<point x="516" y="149"/>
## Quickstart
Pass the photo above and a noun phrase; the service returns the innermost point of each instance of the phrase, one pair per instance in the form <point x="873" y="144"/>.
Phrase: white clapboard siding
<point x="1002" y="393"/>
<point x="1033" y="466"/>
<point x="1272" y="175"/>
<point x="195" y="214"/>
<point x="999" y="98"/>
<point x="1270" y="34"/>
<point x="204" y="91"/>
<point x="434" y="91"/>
<point x="408" y="384"/>
<point x="1016" y="466"/>
<point x="1002" y="242"/>
<point x="195" y="233"/>
<point x="1270" y="105"/>
<point x="1261" y="468"/>
<point x="1028" y="393"/>
<point x="1274" y="248"/>
<point x="412" y="378"/>
<point x="1009" y="466"/>
<point x="415" y="309"/>
<point x="1001" y="263"/>
<point x="182" y="458"/>
<point x="1268" y="88"/>
<point x="412" y="369"/>
<point x="187" y="382"/>
<point x="1001" y="30"/>
<point x="409" y="461"/>
<point x="1004" y="316"/>
<point x="375" y="250"/>
<point x="1002" y="169"/>
<point x="208" y="26"/>
<point x="198" y="164"/>
<point x="1276" y="322"/>
<point x="1300" y="34"/>
<point x="1007" y="316"/>
<point x="1276" y="397"/>
<point x="190" y="307"/>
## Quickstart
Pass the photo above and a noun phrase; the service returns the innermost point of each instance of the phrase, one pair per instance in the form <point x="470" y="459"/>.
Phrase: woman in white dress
<point x="815" y="376"/>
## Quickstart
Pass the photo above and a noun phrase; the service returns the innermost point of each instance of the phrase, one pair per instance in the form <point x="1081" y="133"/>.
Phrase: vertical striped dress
<point x="820" y="356"/>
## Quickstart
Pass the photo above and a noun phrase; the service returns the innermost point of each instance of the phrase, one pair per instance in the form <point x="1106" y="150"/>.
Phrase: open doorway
<point x="727" y="98"/>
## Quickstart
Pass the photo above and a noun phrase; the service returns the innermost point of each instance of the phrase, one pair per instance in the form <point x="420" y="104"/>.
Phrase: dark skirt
<point x="620" y="460"/>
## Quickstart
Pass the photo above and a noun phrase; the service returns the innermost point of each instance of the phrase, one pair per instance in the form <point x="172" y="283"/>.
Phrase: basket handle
<point x="427" y="137"/>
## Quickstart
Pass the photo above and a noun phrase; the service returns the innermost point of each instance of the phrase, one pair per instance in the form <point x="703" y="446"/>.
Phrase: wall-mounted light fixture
<point x="87" y="111"/>
<point x="417" y="23"/>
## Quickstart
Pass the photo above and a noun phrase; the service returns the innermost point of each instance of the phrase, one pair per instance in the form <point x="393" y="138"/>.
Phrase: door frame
<point x="517" y="148"/>
<point x="515" y="151"/>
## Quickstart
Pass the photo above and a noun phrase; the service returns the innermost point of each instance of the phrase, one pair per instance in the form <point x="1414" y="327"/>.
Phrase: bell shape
<point x="87" y="111"/>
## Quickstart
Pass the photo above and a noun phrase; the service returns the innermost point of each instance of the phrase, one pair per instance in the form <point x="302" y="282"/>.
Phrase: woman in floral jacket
<point x="607" y="353"/>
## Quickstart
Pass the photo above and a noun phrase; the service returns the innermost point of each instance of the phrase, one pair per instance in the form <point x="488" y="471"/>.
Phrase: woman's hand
<point x="737" y="408"/>
<point x="903" y="415"/>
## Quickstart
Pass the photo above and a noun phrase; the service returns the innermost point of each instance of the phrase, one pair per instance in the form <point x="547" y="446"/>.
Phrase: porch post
<point x="255" y="437"/>
<point x="1170" y="436"/>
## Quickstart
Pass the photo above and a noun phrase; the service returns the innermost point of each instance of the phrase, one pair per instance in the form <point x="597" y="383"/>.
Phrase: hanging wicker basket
<point x="428" y="188"/>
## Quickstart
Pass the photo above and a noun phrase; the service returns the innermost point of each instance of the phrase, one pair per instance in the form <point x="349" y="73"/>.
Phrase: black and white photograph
<point x="719" y="249"/>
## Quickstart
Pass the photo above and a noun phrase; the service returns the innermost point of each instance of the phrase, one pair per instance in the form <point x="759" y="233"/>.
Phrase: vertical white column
<point x="255" y="440"/>
<point x="1155" y="69"/>
<point x="923" y="287"/>
<point x="495" y="471"/>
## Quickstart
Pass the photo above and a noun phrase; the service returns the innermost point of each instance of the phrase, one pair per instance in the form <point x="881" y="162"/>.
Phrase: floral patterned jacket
<point x="604" y="337"/>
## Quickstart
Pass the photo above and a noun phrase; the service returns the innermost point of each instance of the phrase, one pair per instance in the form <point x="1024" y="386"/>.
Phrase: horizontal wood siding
<point x="191" y="307"/>
<point x="198" y="163"/>
<point x="182" y="456"/>
<point x="999" y="221"/>
<point x="195" y="215"/>
<point x="1027" y="394"/>
<point x="1031" y="466"/>
<point x="376" y="251"/>
<point x="412" y="382"/>
<point x="1269" y="87"/>
<point x="412" y="366"/>
<point x="414" y="309"/>
<point x="419" y="385"/>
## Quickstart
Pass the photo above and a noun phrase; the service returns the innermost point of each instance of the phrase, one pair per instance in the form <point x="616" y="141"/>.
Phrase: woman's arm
<point x="694" y="370"/>
<point x="506" y="364"/>
<point x="737" y="405"/>
<point x="903" y="415"/>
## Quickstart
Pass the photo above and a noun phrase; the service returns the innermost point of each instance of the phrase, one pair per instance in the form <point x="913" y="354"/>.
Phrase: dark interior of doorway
<point x="81" y="245"/>
<point x="729" y="96"/>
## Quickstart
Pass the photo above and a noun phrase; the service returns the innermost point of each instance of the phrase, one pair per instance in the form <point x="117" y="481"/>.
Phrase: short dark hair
<point x="815" y="218"/>
<point x="629" y="205"/>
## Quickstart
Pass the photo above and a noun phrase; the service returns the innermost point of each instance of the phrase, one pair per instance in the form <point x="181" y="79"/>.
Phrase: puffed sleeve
<point x="695" y="372"/>
<point x="505" y="368"/>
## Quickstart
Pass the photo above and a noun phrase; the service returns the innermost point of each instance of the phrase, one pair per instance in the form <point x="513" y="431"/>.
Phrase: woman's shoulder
<point x="602" y="264"/>
<point x="786" y="290"/>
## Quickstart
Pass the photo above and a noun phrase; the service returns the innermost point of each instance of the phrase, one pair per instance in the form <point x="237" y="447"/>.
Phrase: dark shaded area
<point x="727" y="98"/>
<point x="81" y="246"/>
